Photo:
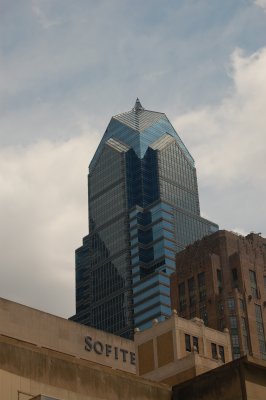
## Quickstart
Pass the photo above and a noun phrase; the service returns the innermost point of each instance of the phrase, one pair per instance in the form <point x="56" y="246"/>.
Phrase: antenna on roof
<point x="138" y="106"/>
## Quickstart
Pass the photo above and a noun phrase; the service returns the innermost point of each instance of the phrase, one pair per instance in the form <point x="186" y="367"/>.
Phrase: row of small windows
<point x="192" y="344"/>
<point x="252" y="278"/>
<point x="191" y="287"/>
<point x="233" y="324"/>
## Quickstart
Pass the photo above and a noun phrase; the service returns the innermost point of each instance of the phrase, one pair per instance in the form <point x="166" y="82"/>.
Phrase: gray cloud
<point x="43" y="207"/>
<point x="67" y="67"/>
<point x="261" y="3"/>
<point x="228" y="142"/>
<point x="96" y="58"/>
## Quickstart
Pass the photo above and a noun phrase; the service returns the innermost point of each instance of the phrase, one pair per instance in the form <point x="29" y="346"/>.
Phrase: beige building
<point x="58" y="334"/>
<point x="177" y="349"/>
<point x="41" y="354"/>
<point x="44" y="357"/>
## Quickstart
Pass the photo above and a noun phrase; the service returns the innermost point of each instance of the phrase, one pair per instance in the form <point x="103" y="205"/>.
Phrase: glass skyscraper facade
<point x="143" y="208"/>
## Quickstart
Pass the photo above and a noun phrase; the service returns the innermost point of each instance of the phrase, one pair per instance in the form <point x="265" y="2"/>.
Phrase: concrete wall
<point x="242" y="379"/>
<point x="48" y="331"/>
<point x="27" y="370"/>
<point x="161" y="350"/>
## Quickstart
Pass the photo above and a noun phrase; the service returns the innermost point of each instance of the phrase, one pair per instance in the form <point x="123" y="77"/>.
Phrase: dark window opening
<point x="214" y="351"/>
<point x="219" y="279"/>
<point x="187" y="341"/>
<point x="253" y="284"/>
<point x="221" y="352"/>
<point x="235" y="277"/>
<point x="204" y="315"/>
<point x="192" y="291"/>
<point x="202" y="286"/>
<point x="182" y="296"/>
<point x="195" y="343"/>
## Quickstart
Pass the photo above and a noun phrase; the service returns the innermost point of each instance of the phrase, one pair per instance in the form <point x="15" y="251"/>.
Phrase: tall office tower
<point x="143" y="208"/>
<point x="222" y="280"/>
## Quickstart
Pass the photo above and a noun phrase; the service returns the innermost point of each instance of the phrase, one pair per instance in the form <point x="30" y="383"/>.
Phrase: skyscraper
<point x="143" y="208"/>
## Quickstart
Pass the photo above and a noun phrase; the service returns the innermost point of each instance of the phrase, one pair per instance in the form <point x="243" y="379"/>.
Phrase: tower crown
<point x="138" y="129"/>
<point x="138" y="106"/>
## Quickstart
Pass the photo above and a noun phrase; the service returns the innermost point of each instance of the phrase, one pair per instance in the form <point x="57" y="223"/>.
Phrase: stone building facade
<point x="175" y="350"/>
<point x="44" y="357"/>
<point x="222" y="280"/>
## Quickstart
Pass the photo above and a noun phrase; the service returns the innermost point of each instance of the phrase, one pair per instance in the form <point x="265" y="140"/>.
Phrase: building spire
<point x="138" y="106"/>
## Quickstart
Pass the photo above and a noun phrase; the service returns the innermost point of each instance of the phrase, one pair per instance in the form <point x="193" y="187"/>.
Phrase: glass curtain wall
<point x="143" y="208"/>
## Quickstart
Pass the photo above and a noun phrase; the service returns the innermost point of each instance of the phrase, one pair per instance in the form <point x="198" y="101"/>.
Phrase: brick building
<point x="222" y="280"/>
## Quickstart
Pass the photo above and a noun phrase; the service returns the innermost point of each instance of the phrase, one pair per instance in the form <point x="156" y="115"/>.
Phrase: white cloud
<point x="228" y="143"/>
<point x="38" y="10"/>
<point x="261" y="3"/>
<point x="43" y="209"/>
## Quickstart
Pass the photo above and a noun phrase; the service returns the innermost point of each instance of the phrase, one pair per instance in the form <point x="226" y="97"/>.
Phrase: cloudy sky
<point x="67" y="66"/>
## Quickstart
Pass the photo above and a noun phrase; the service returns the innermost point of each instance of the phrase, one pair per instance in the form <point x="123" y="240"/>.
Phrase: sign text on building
<point x="109" y="350"/>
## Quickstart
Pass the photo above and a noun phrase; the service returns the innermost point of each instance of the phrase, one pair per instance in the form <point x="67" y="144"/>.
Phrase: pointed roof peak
<point x="138" y="106"/>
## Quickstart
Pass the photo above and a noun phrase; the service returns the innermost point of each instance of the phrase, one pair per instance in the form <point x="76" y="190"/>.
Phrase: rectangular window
<point x="260" y="331"/>
<point x="233" y="322"/>
<point x="220" y="308"/>
<point x="236" y="353"/>
<point x="246" y="344"/>
<point x="234" y="277"/>
<point x="182" y="296"/>
<point x="221" y="324"/>
<point x="214" y="350"/>
<point x="235" y="340"/>
<point x="242" y="305"/>
<point x="244" y="326"/>
<point x="221" y="352"/>
<point x="195" y="343"/>
<point x="233" y="325"/>
<point x="187" y="341"/>
<point x="253" y="284"/>
<point x="191" y="291"/>
<point x="202" y="286"/>
<point x="245" y="335"/>
<point x="204" y="315"/>
<point x="219" y="279"/>
<point x="231" y="304"/>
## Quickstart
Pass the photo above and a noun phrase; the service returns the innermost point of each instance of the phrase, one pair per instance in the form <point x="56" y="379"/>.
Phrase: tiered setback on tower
<point x="143" y="208"/>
